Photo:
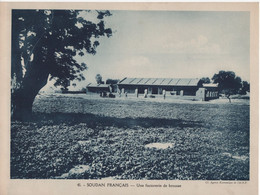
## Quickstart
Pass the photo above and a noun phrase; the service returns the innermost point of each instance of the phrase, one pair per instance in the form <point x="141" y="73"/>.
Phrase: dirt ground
<point x="84" y="137"/>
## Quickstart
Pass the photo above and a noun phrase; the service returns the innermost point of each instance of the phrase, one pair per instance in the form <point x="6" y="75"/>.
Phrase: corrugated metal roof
<point x="136" y="81"/>
<point x="184" y="82"/>
<point x="150" y="81"/>
<point x="174" y="81"/>
<point x="160" y="81"/>
<point x="166" y="81"/>
<point x="194" y="82"/>
<point x="126" y="80"/>
<point x="145" y="81"/>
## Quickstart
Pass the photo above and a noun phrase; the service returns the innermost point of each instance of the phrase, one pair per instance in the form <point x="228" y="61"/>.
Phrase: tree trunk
<point x="229" y="99"/>
<point x="37" y="70"/>
<point x="22" y="99"/>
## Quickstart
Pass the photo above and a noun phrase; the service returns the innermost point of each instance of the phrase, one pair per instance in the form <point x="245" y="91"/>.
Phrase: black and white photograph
<point x="143" y="95"/>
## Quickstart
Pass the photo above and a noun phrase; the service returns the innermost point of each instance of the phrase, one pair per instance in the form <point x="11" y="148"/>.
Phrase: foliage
<point x="110" y="137"/>
<point x="99" y="79"/>
<point x="228" y="82"/>
<point x="112" y="81"/>
<point x="83" y="89"/>
<point x="44" y="44"/>
<point x="113" y="84"/>
<point x="52" y="38"/>
<point x="205" y="80"/>
<point x="245" y="88"/>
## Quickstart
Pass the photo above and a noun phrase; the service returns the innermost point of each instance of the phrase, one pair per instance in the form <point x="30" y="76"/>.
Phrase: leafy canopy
<point x="99" y="79"/>
<point x="46" y="41"/>
<point x="205" y="80"/>
<point x="228" y="82"/>
<point x="112" y="81"/>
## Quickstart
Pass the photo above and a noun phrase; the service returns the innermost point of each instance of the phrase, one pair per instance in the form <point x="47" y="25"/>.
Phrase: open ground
<point x="79" y="137"/>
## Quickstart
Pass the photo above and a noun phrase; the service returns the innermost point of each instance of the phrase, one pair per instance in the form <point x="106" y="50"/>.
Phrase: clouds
<point x="177" y="32"/>
<point x="172" y="44"/>
<point x="197" y="45"/>
<point x="133" y="66"/>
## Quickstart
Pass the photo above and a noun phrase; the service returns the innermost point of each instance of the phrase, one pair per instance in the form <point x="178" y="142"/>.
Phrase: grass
<point x="210" y="141"/>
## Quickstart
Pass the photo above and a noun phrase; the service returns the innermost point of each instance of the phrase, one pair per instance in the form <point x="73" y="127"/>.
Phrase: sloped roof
<point x="210" y="84"/>
<point x="98" y="85"/>
<point x="160" y="81"/>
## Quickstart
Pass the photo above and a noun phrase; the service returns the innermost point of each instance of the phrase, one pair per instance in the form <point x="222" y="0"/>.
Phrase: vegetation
<point x="113" y="84"/>
<point x="99" y="79"/>
<point x="44" y="44"/>
<point x="229" y="83"/>
<point x="112" y="81"/>
<point x="205" y="80"/>
<point x="210" y="141"/>
<point x="245" y="88"/>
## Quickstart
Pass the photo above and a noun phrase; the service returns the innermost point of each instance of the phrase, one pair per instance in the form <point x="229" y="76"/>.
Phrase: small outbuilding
<point x="211" y="90"/>
<point x="98" y="88"/>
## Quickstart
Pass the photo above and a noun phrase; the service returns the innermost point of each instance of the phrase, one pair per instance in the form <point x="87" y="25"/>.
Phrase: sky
<point x="171" y="44"/>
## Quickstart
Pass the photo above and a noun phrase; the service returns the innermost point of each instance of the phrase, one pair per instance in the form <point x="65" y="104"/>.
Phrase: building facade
<point x="186" y="88"/>
<point x="174" y="87"/>
<point x="98" y="88"/>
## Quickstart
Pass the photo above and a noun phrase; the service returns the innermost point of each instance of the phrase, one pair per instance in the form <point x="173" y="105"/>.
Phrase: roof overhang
<point x="160" y="81"/>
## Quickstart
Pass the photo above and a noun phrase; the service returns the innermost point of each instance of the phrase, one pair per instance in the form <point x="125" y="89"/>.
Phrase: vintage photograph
<point x="130" y="94"/>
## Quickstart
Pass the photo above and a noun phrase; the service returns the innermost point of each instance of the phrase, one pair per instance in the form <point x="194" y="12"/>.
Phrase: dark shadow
<point x="96" y="120"/>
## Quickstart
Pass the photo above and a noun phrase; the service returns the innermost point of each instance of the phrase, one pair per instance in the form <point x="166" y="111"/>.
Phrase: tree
<point x="112" y="81"/>
<point x="229" y="83"/>
<point x="245" y="88"/>
<point x="99" y="79"/>
<point x="113" y="84"/>
<point x="84" y="89"/>
<point x="44" y="44"/>
<point x="205" y="80"/>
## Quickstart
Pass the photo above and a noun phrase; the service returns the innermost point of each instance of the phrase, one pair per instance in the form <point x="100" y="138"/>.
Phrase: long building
<point x="170" y="86"/>
<point x="192" y="88"/>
